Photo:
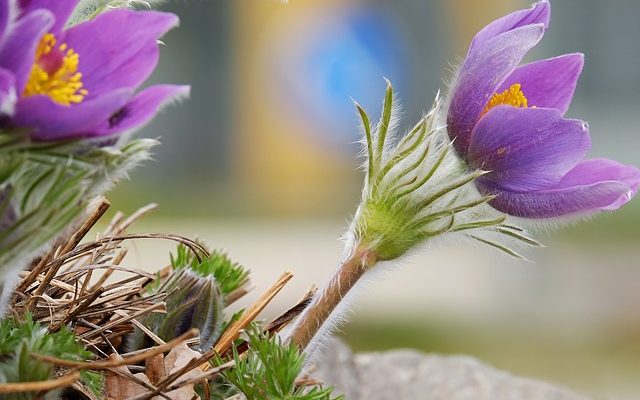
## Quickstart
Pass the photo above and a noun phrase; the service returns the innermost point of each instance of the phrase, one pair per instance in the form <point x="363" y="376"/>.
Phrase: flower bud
<point x="417" y="188"/>
<point x="193" y="301"/>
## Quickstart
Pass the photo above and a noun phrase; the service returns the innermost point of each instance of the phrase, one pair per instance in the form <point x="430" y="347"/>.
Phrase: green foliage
<point x="228" y="275"/>
<point x="269" y="371"/>
<point x="19" y="339"/>
<point x="45" y="186"/>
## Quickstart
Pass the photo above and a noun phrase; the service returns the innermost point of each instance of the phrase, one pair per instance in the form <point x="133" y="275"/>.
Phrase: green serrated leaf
<point x="269" y="370"/>
<point x="21" y="338"/>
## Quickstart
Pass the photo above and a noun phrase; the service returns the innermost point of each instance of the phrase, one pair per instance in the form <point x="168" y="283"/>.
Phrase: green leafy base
<point x="44" y="187"/>
<point x="20" y="338"/>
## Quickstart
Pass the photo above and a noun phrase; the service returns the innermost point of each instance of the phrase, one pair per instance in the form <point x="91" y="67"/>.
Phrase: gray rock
<point x="407" y="374"/>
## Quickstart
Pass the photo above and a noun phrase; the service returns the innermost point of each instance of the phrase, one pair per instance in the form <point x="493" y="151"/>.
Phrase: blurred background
<point x="261" y="161"/>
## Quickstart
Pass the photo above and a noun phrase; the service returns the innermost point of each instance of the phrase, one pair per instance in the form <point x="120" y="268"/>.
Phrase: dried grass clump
<point x="73" y="285"/>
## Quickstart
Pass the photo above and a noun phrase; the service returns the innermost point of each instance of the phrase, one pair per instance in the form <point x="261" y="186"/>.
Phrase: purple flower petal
<point x="527" y="148"/>
<point x="601" y="170"/>
<point x="548" y="83"/>
<point x="143" y="107"/>
<point x="118" y="48"/>
<point x="539" y="13"/>
<point x="5" y="16"/>
<point x="594" y="185"/>
<point x="7" y="93"/>
<point x="481" y="75"/>
<point x="18" y="49"/>
<point x="61" y="9"/>
<point x="52" y="121"/>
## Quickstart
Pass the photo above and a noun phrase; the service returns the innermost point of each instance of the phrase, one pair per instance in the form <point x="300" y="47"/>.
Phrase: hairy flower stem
<point x="318" y="313"/>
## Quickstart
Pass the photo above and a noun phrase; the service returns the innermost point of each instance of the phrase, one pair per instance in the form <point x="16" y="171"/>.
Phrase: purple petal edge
<point x="538" y="13"/>
<point x="592" y="186"/>
<point x="481" y="75"/>
<point x="143" y="107"/>
<point x="118" y="48"/>
<point x="602" y="169"/>
<point x="548" y="83"/>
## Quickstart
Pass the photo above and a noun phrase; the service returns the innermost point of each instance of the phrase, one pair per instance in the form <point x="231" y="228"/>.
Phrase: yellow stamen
<point x="58" y="78"/>
<point x="510" y="97"/>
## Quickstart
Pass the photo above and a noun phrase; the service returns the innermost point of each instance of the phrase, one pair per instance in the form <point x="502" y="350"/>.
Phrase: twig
<point x="237" y="294"/>
<point x="40" y="386"/>
<point x="116" y="261"/>
<point x="122" y="320"/>
<point x="292" y="313"/>
<point x="164" y="385"/>
<point x="202" y="376"/>
<point x="80" y="308"/>
<point x="106" y="364"/>
<point x="143" y="328"/>
<point x="134" y="217"/>
<point x="197" y="249"/>
<point x="234" y="330"/>
<point x="75" y="239"/>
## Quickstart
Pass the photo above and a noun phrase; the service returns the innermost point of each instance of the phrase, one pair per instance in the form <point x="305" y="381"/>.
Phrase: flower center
<point x="510" y="97"/>
<point x="55" y="73"/>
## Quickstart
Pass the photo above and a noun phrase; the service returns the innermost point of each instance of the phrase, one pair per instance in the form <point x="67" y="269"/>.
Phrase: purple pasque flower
<point x="509" y="119"/>
<point x="80" y="82"/>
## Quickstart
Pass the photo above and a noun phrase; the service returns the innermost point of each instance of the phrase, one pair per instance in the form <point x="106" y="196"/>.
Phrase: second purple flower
<point x="508" y="119"/>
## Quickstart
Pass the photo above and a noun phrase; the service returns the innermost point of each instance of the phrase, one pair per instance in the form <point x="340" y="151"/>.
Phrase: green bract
<point x="417" y="188"/>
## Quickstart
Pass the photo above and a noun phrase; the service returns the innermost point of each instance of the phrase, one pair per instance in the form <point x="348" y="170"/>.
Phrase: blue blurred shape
<point x="345" y="54"/>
